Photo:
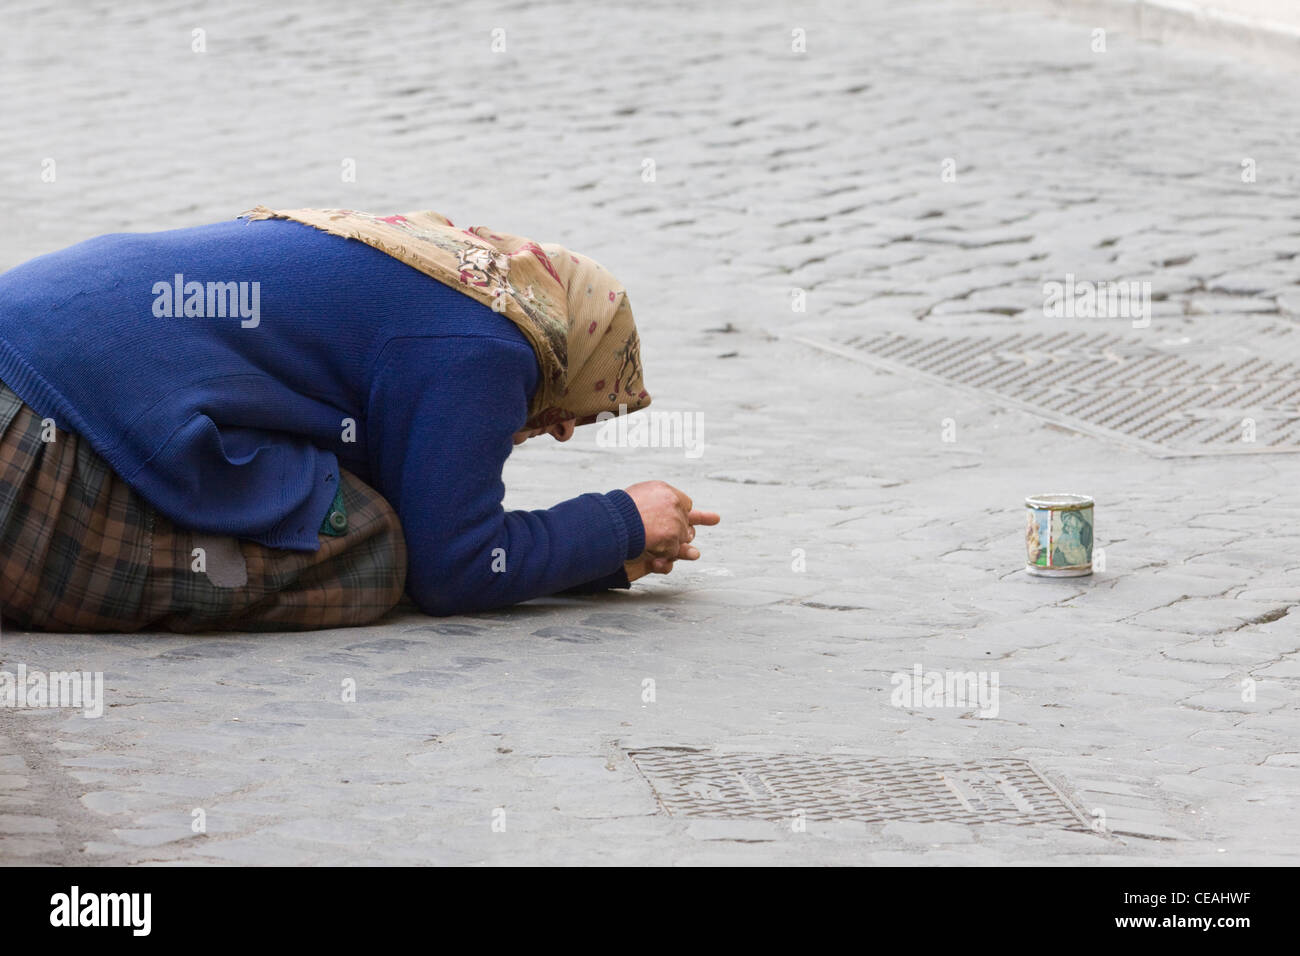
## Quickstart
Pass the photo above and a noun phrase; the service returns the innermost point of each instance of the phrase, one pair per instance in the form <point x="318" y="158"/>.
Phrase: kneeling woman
<point x="287" y="420"/>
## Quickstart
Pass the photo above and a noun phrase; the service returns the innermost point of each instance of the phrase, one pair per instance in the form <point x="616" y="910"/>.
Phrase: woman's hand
<point x="669" y="518"/>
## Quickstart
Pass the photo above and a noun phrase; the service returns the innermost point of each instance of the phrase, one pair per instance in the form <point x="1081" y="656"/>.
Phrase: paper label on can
<point x="1058" y="539"/>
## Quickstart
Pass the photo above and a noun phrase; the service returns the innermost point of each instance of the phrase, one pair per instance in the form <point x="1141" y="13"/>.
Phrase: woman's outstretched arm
<point x="440" y="417"/>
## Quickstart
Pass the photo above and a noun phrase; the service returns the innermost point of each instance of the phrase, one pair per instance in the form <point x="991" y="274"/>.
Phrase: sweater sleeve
<point x="442" y="411"/>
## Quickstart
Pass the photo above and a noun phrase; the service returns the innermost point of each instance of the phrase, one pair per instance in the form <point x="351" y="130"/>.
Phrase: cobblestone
<point x="498" y="738"/>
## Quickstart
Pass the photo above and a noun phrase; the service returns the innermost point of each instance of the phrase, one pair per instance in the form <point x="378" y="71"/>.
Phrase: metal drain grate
<point x="863" y="789"/>
<point x="1171" y="401"/>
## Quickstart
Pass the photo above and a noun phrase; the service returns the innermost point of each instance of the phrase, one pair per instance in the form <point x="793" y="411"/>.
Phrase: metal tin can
<point x="1058" y="535"/>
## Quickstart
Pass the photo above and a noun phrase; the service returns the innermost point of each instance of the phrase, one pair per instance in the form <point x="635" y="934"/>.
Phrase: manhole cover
<point x="1175" y="400"/>
<point x="864" y="789"/>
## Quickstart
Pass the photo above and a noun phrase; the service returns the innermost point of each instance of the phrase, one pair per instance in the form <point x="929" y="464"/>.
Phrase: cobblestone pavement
<point x="773" y="170"/>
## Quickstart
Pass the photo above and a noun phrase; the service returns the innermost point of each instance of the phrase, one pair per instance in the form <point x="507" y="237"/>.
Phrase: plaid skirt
<point x="81" y="551"/>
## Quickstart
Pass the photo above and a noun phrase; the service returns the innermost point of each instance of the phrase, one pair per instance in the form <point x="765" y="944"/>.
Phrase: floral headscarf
<point x="575" y="314"/>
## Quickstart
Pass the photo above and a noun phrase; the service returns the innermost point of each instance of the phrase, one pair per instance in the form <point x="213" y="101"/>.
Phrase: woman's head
<point x="599" y="357"/>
